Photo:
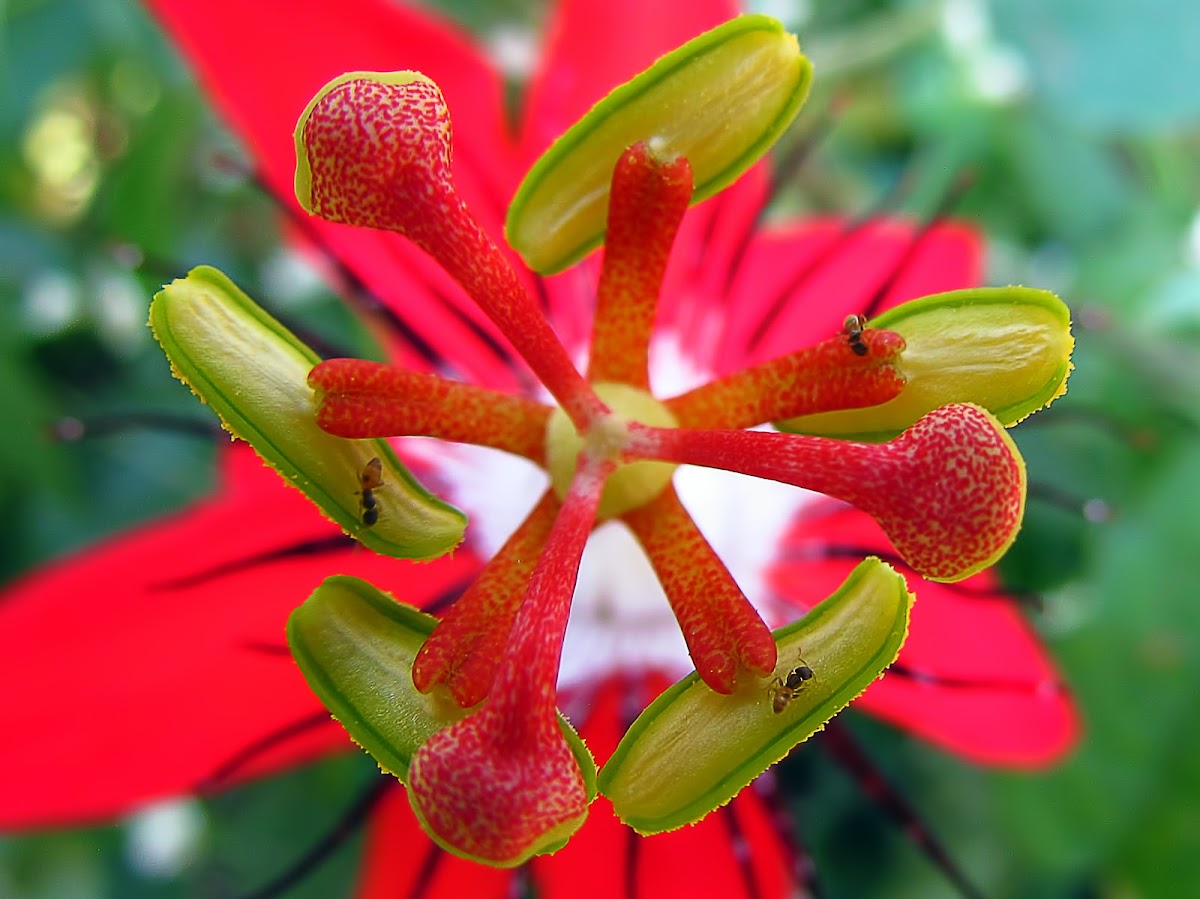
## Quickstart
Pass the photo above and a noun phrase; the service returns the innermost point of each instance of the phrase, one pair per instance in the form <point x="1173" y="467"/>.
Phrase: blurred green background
<point x="1080" y="122"/>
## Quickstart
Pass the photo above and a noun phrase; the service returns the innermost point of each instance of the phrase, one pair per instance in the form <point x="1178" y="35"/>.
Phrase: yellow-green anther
<point x="721" y="100"/>
<point x="1007" y="349"/>
<point x="355" y="646"/>
<point x="253" y="372"/>
<point x="693" y="749"/>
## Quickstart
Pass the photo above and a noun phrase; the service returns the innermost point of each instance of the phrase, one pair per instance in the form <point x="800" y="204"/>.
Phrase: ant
<point x="784" y="689"/>
<point x="370" y="480"/>
<point x="853" y="328"/>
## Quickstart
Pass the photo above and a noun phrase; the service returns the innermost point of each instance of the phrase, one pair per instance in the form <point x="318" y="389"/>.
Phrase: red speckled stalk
<point x="467" y="647"/>
<point x="528" y="677"/>
<point x="649" y="197"/>
<point x="497" y="783"/>
<point x="822" y="378"/>
<point x="723" y="631"/>
<point x="366" y="399"/>
<point x="949" y="491"/>
<point x="379" y="156"/>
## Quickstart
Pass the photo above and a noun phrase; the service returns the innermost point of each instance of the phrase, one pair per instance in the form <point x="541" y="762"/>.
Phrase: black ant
<point x="370" y="480"/>
<point x="853" y="328"/>
<point x="784" y="689"/>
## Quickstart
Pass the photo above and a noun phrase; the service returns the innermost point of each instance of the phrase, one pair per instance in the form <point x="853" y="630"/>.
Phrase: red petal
<point x="771" y="858"/>
<point x="150" y="662"/>
<point x="400" y="860"/>
<point x="706" y="263"/>
<point x="262" y="63"/>
<point x="594" y="45"/>
<point x="733" y="853"/>
<point x="770" y="314"/>
<point x="972" y="677"/>
<point x="593" y="863"/>
<point x="437" y="312"/>
<point x="569" y="303"/>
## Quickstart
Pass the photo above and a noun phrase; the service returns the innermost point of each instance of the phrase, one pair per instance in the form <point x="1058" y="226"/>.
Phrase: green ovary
<point x="633" y="484"/>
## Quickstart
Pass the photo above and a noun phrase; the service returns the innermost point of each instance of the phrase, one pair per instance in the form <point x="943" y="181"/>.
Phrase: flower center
<point x="633" y="484"/>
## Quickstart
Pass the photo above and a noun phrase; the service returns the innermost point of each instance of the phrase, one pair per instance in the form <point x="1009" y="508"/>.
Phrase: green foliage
<point x="1084" y="181"/>
<point x="1116" y="67"/>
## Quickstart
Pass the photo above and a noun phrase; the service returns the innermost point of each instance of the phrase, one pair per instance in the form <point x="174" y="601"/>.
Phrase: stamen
<point x="466" y="648"/>
<point x="359" y="293"/>
<point x="467" y="338"/>
<point x="949" y="492"/>
<point x="724" y="633"/>
<point x="503" y="783"/>
<point x="377" y="153"/>
<point x="531" y="667"/>
<point x="648" y="200"/>
<point x="631" y="485"/>
<point x="357" y="399"/>
<point x="487" y="339"/>
<point x="827" y="377"/>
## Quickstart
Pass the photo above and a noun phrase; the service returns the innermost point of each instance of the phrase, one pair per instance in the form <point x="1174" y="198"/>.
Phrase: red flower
<point x="178" y="642"/>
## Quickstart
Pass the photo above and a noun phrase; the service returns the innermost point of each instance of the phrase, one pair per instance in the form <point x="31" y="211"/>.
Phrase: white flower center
<point x="620" y="619"/>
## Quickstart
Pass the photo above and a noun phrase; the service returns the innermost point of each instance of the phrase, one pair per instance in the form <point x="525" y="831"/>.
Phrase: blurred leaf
<point x="1163" y="854"/>
<point x="1072" y="185"/>
<point x="1110" y="66"/>
<point x="151" y="194"/>
<point x="1133" y="664"/>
